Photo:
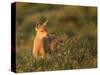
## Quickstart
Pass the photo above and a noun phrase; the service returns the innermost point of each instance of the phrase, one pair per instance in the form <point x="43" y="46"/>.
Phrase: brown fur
<point x="42" y="40"/>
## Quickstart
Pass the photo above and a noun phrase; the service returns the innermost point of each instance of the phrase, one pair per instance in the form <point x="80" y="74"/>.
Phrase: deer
<point x="43" y="40"/>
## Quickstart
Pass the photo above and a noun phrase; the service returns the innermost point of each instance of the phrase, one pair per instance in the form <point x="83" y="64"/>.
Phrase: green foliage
<point x="76" y="25"/>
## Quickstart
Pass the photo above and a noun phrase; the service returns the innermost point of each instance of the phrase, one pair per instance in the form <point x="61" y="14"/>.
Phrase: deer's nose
<point x="47" y="35"/>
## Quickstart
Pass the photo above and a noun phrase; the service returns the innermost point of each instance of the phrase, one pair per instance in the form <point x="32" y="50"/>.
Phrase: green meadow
<point x="77" y="25"/>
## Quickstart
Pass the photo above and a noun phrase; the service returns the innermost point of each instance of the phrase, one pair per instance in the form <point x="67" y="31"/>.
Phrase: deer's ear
<point x="36" y="28"/>
<point x="45" y="23"/>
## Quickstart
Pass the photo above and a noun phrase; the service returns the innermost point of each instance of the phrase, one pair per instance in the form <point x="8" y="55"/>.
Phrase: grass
<point x="76" y="25"/>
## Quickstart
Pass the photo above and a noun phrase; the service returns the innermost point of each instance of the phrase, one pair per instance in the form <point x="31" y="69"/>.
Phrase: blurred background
<point x="77" y="25"/>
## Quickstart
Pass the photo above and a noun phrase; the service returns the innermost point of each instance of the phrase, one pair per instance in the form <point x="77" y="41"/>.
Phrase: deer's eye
<point x="42" y="31"/>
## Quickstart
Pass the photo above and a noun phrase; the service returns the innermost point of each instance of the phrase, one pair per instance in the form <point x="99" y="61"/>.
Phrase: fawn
<point x="43" y="40"/>
<point x="38" y="47"/>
